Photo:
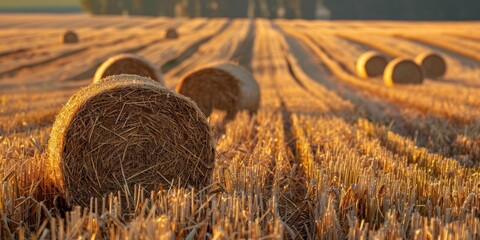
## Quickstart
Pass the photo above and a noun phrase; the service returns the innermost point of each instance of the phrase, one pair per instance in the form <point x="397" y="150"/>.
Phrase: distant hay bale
<point x="125" y="131"/>
<point x="171" y="33"/>
<point x="128" y="64"/>
<point x="402" y="71"/>
<point x="371" y="64"/>
<point x="433" y="65"/>
<point x="70" y="37"/>
<point x="223" y="86"/>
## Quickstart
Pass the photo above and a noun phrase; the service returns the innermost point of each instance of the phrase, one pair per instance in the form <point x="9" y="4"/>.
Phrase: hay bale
<point x="124" y="131"/>
<point x="433" y="65"/>
<point x="402" y="71"/>
<point x="128" y="64"/>
<point x="171" y="33"/>
<point x="70" y="37"/>
<point x="223" y="86"/>
<point x="371" y="64"/>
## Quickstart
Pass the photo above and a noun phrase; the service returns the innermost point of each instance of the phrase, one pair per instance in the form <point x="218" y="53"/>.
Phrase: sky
<point x="5" y="4"/>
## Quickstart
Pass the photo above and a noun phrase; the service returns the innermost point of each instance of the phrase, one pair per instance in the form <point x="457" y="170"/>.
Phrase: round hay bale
<point x="402" y="71"/>
<point x="70" y="37"/>
<point x="171" y="33"/>
<point x="223" y="86"/>
<point x="433" y="65"/>
<point x="128" y="64"/>
<point x="371" y="64"/>
<point x="125" y="131"/>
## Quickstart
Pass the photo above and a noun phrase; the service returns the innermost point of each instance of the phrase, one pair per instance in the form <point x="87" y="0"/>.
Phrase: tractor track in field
<point x="446" y="47"/>
<point x="465" y="60"/>
<point x="377" y="110"/>
<point x="323" y="75"/>
<point x="189" y="52"/>
<point x="411" y="48"/>
<point x="245" y="52"/>
<point x="13" y="52"/>
<point x="298" y="205"/>
<point x="33" y="66"/>
<point x="289" y="175"/>
<point x="88" y="73"/>
<point x="94" y="45"/>
<point x="69" y="54"/>
<point x="297" y="212"/>
<point x="51" y="41"/>
<point x="395" y="96"/>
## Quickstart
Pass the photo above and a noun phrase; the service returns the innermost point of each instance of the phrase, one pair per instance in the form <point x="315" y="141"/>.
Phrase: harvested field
<point x="328" y="155"/>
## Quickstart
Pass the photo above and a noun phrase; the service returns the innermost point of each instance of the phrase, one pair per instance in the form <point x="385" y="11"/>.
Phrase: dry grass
<point x="223" y="86"/>
<point x="327" y="156"/>
<point x="70" y="37"/>
<point x="371" y="64"/>
<point x="125" y="131"/>
<point x="128" y="64"/>
<point x="171" y="33"/>
<point x="402" y="71"/>
<point x="433" y="65"/>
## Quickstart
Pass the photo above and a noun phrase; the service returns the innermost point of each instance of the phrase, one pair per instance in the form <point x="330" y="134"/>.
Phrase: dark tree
<point x="272" y="8"/>
<point x="129" y="6"/>
<point x="405" y="9"/>
<point x="220" y="8"/>
<point x="340" y="9"/>
<point x="257" y="8"/>
<point x="235" y="8"/>
<point x="95" y="7"/>
<point x="309" y="8"/>
<point x="166" y="7"/>
<point x="205" y="10"/>
<point x="291" y="8"/>
<point x="113" y="7"/>
<point x="191" y="8"/>
<point x="464" y="10"/>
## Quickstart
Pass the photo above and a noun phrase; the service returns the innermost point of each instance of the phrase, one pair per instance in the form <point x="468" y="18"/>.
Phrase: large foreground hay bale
<point x="171" y="33"/>
<point x="223" y="86"/>
<point x="433" y="65"/>
<point x="128" y="64"/>
<point x="371" y="64"/>
<point x="70" y="37"/>
<point x="124" y="131"/>
<point x="402" y="71"/>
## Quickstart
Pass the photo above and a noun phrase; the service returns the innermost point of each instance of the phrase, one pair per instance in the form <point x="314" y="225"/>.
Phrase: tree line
<point x="307" y="9"/>
<point x="405" y="9"/>
<point x="204" y="8"/>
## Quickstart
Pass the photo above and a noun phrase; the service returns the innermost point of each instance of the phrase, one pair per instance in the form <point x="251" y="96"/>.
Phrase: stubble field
<point x="328" y="156"/>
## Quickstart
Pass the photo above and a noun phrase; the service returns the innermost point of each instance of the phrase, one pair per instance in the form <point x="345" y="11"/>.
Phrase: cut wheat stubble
<point x="125" y="131"/>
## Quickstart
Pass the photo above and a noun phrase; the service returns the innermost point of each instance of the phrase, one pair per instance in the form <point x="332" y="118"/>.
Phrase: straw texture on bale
<point x="124" y="131"/>
<point x="128" y="64"/>
<point x="433" y="65"/>
<point x="171" y="33"/>
<point x="371" y="64"/>
<point x="70" y="37"/>
<point x="402" y="71"/>
<point x="222" y="86"/>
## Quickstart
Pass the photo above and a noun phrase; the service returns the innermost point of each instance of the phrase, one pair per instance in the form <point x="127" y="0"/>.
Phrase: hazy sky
<point x="37" y="3"/>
